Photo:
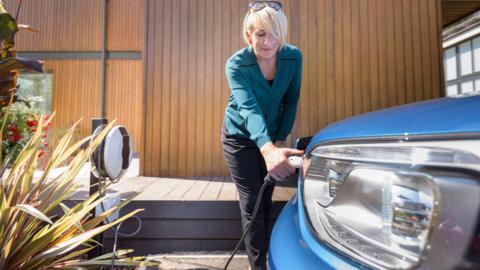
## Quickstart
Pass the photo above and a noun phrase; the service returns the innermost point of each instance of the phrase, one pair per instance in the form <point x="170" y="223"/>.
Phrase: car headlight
<point x="380" y="203"/>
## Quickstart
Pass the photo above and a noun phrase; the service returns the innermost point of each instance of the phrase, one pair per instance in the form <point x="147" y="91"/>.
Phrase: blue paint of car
<point x="294" y="244"/>
<point x="439" y="116"/>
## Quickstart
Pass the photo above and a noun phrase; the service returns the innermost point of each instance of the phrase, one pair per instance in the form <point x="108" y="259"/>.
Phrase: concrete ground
<point x="199" y="261"/>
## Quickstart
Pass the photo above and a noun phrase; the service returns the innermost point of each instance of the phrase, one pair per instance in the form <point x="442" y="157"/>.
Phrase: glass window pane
<point x="450" y="64"/>
<point x="476" y="54"/>
<point x="36" y="89"/>
<point x="465" y="58"/>
<point x="467" y="87"/>
<point x="477" y="85"/>
<point x="452" y="90"/>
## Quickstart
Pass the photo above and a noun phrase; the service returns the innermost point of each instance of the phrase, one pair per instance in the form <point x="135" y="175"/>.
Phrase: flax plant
<point x="33" y="235"/>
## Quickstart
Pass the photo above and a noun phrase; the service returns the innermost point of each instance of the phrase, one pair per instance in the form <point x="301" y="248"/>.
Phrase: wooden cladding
<point x="188" y="44"/>
<point x="359" y="56"/>
<point x="364" y="55"/>
<point x="76" y="92"/>
<point x="75" y="25"/>
<point x="124" y="97"/>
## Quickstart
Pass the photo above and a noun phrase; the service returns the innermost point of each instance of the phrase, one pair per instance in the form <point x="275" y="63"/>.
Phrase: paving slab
<point x="199" y="261"/>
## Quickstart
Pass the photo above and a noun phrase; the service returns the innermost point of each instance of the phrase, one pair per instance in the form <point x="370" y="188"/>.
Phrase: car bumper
<point x="292" y="246"/>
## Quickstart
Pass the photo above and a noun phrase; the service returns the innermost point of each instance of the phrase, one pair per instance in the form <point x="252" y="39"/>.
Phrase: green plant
<point x="30" y="236"/>
<point x="18" y="128"/>
<point x="10" y="64"/>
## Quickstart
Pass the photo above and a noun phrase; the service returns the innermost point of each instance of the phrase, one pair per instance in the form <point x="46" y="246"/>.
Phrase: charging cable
<point x="296" y="162"/>
<point x="117" y="229"/>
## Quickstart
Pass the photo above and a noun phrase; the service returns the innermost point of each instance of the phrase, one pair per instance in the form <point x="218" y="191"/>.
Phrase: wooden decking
<point x="175" y="189"/>
<point x="181" y="214"/>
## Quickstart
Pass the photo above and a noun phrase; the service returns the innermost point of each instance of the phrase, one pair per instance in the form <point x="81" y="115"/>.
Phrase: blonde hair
<point x="271" y="20"/>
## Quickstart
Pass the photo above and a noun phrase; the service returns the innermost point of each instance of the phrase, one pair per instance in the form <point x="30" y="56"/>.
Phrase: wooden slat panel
<point x="382" y="36"/>
<point x="338" y="61"/>
<point x="417" y="53"/>
<point x="409" y="47"/>
<point x="365" y="57"/>
<point x="356" y="59"/>
<point x="76" y="25"/>
<point x="373" y="55"/>
<point x="330" y="61"/>
<point x="124" y="95"/>
<point x="311" y="47"/>
<point x="75" y="92"/>
<point x="399" y="52"/>
<point x="392" y="90"/>
<point x="199" y="119"/>
<point x="125" y="19"/>
<point x="209" y="81"/>
<point x="63" y="25"/>
<point x="347" y="58"/>
<point x="162" y="112"/>
<point x="153" y="130"/>
<point x="436" y="52"/>
<point x="426" y="47"/>
<point x="352" y="64"/>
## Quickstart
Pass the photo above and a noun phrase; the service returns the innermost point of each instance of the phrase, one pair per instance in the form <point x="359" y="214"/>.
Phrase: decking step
<point x="181" y="215"/>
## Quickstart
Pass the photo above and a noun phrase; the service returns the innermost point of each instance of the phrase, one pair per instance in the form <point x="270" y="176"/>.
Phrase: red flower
<point x="41" y="153"/>
<point x="13" y="128"/>
<point x="32" y="123"/>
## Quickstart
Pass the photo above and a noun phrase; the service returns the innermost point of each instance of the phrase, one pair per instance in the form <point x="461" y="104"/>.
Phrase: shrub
<point x="31" y="238"/>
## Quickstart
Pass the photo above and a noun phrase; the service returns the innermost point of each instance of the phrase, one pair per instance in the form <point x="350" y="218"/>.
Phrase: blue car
<point x="392" y="189"/>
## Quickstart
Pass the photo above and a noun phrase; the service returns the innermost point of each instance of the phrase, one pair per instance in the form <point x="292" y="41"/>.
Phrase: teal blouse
<point x="256" y="110"/>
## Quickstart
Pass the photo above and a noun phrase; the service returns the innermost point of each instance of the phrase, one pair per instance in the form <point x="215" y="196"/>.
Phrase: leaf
<point x="28" y="28"/>
<point x="73" y="242"/>
<point x="33" y="212"/>
<point x="19" y="63"/>
<point x="67" y="210"/>
<point x="8" y="29"/>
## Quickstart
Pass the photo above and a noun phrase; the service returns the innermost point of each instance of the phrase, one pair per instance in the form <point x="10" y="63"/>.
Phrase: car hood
<point x="459" y="114"/>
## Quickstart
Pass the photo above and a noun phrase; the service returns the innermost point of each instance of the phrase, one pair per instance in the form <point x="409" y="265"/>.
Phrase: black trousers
<point x="247" y="169"/>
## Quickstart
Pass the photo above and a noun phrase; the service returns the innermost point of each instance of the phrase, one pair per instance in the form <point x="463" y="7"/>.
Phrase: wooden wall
<point x="359" y="56"/>
<point x="75" y="27"/>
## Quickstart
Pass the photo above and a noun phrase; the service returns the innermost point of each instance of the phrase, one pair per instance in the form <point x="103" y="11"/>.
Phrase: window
<point x="36" y="89"/>
<point x="450" y="64"/>
<point x="465" y="58"/>
<point x="476" y="54"/>
<point x="462" y="67"/>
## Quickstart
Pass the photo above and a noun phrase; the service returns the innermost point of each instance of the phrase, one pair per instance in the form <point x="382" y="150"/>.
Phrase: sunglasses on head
<point x="259" y="5"/>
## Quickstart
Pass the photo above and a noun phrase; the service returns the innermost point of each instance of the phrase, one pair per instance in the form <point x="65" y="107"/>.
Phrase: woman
<point x="264" y="79"/>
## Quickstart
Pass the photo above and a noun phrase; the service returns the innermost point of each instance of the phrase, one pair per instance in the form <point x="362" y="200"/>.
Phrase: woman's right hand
<point x="277" y="162"/>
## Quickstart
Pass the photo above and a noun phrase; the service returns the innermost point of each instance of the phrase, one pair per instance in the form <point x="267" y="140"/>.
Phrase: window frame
<point x="475" y="75"/>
